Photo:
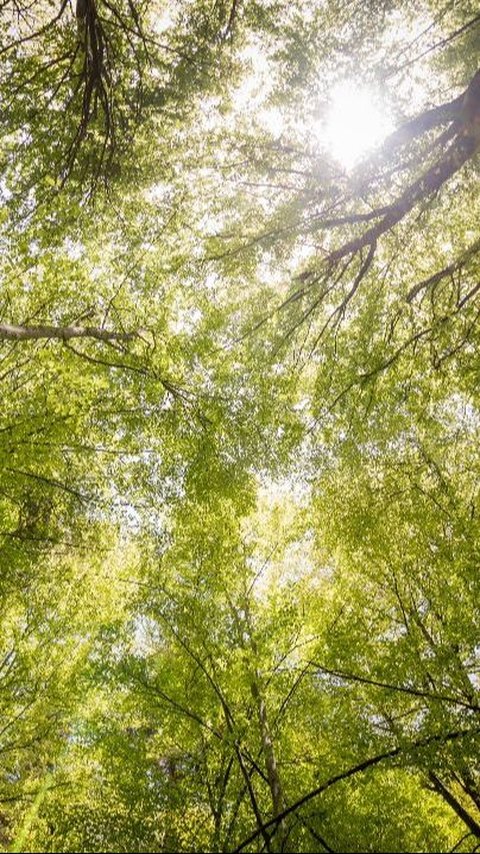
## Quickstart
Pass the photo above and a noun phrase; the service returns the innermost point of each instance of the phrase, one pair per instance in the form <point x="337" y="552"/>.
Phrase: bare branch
<point x="9" y="332"/>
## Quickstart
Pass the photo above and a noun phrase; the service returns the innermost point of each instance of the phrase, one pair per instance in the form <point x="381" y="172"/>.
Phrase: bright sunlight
<point x="354" y="124"/>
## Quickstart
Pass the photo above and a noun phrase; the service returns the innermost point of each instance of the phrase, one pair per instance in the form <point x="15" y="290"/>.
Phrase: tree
<point x="239" y="429"/>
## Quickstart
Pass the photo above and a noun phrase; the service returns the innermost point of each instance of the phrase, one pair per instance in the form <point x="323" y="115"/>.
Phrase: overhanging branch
<point x="9" y="332"/>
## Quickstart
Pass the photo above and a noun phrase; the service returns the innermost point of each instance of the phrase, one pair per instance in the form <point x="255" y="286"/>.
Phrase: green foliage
<point x="239" y="432"/>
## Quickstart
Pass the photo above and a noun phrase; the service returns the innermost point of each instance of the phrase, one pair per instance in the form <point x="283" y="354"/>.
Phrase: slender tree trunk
<point x="268" y="750"/>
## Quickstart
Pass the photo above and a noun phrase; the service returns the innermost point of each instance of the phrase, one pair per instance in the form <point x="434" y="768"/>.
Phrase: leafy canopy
<point x="239" y="429"/>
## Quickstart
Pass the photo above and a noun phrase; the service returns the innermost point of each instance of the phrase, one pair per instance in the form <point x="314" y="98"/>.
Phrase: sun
<point x="354" y="124"/>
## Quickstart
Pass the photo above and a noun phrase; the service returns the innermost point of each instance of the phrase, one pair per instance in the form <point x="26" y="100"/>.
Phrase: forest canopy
<point x="240" y="425"/>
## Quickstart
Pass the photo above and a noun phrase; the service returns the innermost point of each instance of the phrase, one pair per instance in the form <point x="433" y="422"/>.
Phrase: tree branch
<point x="9" y="332"/>
<point x="416" y="692"/>
<point x="351" y="772"/>
<point x="456" y="806"/>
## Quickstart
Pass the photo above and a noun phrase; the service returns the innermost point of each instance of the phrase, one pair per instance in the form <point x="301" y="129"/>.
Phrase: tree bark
<point x="273" y="776"/>
<point x="9" y="332"/>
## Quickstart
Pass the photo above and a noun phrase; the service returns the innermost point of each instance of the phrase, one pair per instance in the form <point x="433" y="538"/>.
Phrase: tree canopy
<point x="239" y="364"/>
